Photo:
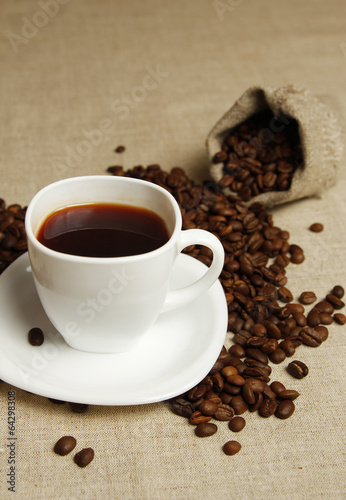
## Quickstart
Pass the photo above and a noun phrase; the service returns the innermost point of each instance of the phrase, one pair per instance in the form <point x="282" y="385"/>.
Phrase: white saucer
<point x="175" y="355"/>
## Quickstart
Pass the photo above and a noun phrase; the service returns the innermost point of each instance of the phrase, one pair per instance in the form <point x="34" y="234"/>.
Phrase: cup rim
<point x="102" y="260"/>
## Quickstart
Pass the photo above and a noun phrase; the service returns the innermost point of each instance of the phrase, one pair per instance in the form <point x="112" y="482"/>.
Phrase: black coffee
<point x="103" y="230"/>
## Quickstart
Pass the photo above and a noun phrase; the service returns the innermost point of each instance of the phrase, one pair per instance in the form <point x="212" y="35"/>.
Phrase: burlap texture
<point x="319" y="132"/>
<point x="90" y="63"/>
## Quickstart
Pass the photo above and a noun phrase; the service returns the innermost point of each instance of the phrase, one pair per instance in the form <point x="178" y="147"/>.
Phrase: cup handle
<point x="177" y="298"/>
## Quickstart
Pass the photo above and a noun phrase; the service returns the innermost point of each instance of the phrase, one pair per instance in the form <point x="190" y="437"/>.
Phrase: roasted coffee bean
<point x="237" y="424"/>
<point x="323" y="307"/>
<point x="120" y="149"/>
<point x="236" y="380"/>
<point x="196" y="392"/>
<point x="278" y="356"/>
<point x="205" y="429"/>
<point x="268" y="407"/>
<point x="339" y="318"/>
<point x="317" y="227"/>
<point x="326" y="319"/>
<point x="307" y="298"/>
<point x="78" y="407"/>
<point x="335" y="301"/>
<point x="256" y="354"/>
<point x="198" y="418"/>
<point x="313" y="318"/>
<point x="285" y="409"/>
<point x="338" y="291"/>
<point x="295" y="308"/>
<point x="84" y="457"/>
<point x="229" y="371"/>
<point x="237" y="350"/>
<point x="182" y="407"/>
<point x="297" y="369"/>
<point x="288" y="394"/>
<point x="288" y="347"/>
<point x="310" y="337"/>
<point x="65" y="445"/>
<point x="208" y="407"/>
<point x="285" y="295"/>
<point x="239" y="404"/>
<point x="297" y="258"/>
<point x="277" y="387"/>
<point x="300" y="319"/>
<point x="224" y="412"/>
<point x="36" y="336"/>
<point x="323" y="332"/>
<point x="231" y="447"/>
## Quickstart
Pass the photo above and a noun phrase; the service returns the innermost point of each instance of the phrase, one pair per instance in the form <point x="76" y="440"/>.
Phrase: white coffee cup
<point x="107" y="304"/>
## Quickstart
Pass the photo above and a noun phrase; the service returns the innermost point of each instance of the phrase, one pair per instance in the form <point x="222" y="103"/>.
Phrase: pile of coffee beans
<point x="267" y="325"/>
<point x="260" y="155"/>
<point x="13" y="242"/>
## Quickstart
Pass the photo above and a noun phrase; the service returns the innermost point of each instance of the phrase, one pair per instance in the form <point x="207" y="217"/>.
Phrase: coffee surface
<point x="103" y="230"/>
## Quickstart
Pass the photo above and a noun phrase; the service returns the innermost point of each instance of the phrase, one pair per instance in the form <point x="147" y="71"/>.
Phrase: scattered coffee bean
<point x="78" y="407"/>
<point x="65" y="445"/>
<point x="339" y="318"/>
<point x="237" y="424"/>
<point x="285" y="409"/>
<point x="335" y="301"/>
<point x="317" y="227"/>
<point x="338" y="291"/>
<point x="84" y="457"/>
<point x="231" y="447"/>
<point x="205" y="429"/>
<point x="288" y="394"/>
<point x="310" y="337"/>
<point x="297" y="369"/>
<point x="36" y="336"/>
<point x="307" y="298"/>
<point x="120" y="149"/>
<point x="277" y="387"/>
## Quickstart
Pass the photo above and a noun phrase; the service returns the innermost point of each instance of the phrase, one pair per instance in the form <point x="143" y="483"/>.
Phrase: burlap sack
<point x="320" y="136"/>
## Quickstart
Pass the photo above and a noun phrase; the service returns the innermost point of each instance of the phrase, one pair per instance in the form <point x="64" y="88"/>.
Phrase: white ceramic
<point x="107" y="304"/>
<point x="176" y="354"/>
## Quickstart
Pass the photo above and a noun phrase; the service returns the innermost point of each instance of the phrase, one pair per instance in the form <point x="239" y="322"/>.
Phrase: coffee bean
<point x="288" y="394"/>
<point x="278" y="356"/>
<point x="326" y="319"/>
<point x="323" y="332"/>
<point x="297" y="369"/>
<point x="310" y="337"/>
<point x="224" y="412"/>
<point x="323" y="307"/>
<point x="65" y="445"/>
<point x="307" y="298"/>
<point x="317" y="227"/>
<point x="231" y="447"/>
<point x="237" y="350"/>
<point x="338" y="291"/>
<point x="277" y="387"/>
<point x="335" y="301"/>
<point x="36" y="336"/>
<point x="205" y="429"/>
<point x="182" y="407"/>
<point x="78" y="407"/>
<point x="285" y="295"/>
<point x="120" y="149"/>
<point x="84" y="457"/>
<point x="198" y="418"/>
<point x="313" y="318"/>
<point x="297" y="258"/>
<point x="268" y="407"/>
<point x="285" y="409"/>
<point x="239" y="404"/>
<point x="208" y="407"/>
<point x="237" y="424"/>
<point x="339" y="318"/>
<point x="288" y="347"/>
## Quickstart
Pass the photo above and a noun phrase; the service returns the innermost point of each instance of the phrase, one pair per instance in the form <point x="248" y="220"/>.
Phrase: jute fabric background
<point x="156" y="76"/>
